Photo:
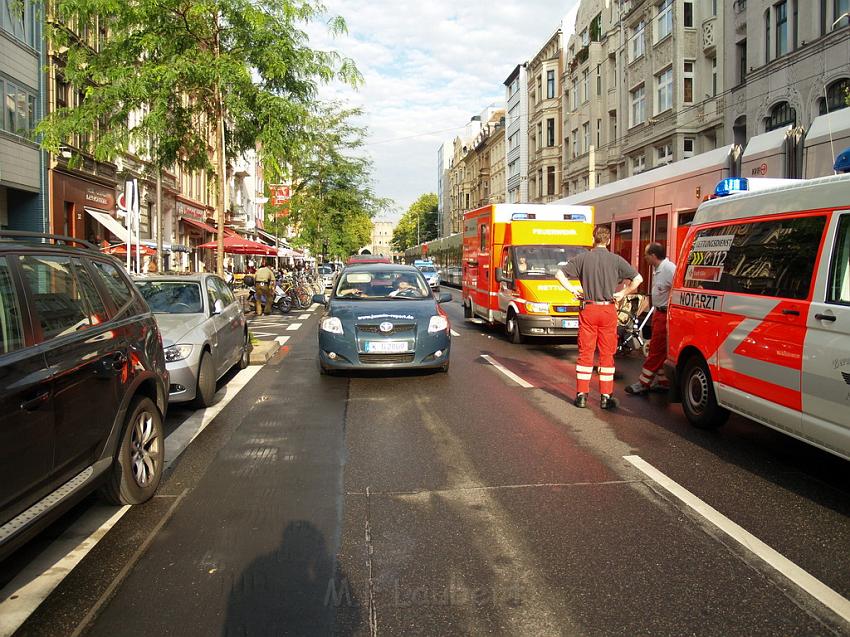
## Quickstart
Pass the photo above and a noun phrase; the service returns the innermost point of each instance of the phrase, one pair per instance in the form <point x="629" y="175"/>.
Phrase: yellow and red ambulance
<point x="759" y="313"/>
<point x="511" y="253"/>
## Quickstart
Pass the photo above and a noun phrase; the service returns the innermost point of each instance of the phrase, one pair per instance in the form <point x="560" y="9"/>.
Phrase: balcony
<point x="709" y="35"/>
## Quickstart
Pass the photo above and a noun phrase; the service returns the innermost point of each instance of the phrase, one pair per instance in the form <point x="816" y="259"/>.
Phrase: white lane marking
<point x="813" y="586"/>
<point x="41" y="576"/>
<point x="258" y="334"/>
<point x="519" y="381"/>
<point x="455" y="333"/>
<point x="293" y="326"/>
<point x="281" y="340"/>
<point x="313" y="307"/>
<point x="303" y="316"/>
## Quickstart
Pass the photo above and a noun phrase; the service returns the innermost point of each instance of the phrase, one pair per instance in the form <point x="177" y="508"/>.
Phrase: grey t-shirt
<point x="600" y="272"/>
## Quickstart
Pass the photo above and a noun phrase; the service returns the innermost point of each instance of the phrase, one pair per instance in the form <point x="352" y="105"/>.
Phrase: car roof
<point x="379" y="267"/>
<point x="190" y="277"/>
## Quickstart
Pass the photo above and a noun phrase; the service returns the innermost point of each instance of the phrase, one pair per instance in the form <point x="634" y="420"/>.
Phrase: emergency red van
<point x="759" y="313"/>
<point x="510" y="255"/>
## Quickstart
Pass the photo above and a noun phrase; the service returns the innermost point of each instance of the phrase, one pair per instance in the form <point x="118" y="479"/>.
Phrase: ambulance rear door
<point x="826" y="360"/>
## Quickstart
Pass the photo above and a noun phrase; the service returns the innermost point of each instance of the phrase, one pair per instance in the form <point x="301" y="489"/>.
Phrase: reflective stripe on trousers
<point x="597" y="327"/>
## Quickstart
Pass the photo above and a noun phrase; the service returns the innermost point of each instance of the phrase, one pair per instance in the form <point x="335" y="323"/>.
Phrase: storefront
<point x="84" y="209"/>
<point x="192" y="231"/>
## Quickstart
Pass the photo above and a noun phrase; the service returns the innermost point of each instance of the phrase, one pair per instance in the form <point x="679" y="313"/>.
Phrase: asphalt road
<point x="463" y="503"/>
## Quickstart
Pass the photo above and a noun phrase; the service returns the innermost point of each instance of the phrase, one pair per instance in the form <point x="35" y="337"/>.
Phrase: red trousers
<point x="653" y="366"/>
<point x="597" y="327"/>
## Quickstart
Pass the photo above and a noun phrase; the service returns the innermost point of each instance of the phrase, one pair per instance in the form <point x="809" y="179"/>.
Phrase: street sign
<point x="280" y="194"/>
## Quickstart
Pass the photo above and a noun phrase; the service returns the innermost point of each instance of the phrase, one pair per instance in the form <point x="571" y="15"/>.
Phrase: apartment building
<point x="486" y="162"/>
<point x="444" y="199"/>
<point x="22" y="168"/>
<point x="516" y="135"/>
<point x="791" y="65"/>
<point x="544" y="122"/>
<point x="643" y="87"/>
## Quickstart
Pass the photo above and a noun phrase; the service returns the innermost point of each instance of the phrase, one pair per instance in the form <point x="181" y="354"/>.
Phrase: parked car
<point x="383" y="316"/>
<point x="204" y="332"/>
<point x="327" y="276"/>
<point x="83" y="388"/>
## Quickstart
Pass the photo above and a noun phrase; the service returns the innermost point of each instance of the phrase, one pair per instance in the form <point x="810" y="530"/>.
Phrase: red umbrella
<point x="121" y="248"/>
<point x="240" y="245"/>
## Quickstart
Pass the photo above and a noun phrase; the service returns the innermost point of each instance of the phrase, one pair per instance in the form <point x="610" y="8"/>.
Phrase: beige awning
<point x="110" y="223"/>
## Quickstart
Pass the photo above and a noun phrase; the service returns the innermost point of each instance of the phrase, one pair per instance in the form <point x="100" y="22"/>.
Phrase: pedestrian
<point x="662" y="282"/>
<point x="264" y="282"/>
<point x="599" y="272"/>
<point x="151" y="267"/>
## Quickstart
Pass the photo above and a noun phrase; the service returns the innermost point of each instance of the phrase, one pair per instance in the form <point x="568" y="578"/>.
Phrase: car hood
<point x="175" y="327"/>
<point x="357" y="311"/>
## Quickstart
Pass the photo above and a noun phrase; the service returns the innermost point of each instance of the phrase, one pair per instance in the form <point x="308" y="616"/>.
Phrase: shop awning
<point x="238" y="245"/>
<point x="200" y="225"/>
<point x="109" y="222"/>
<point x="269" y="237"/>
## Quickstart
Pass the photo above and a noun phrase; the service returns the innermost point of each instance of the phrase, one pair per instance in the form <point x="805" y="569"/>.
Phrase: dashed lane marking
<point x="519" y="381"/>
<point x="455" y="333"/>
<point x="303" y="316"/>
<point x="811" y="585"/>
<point x="293" y="326"/>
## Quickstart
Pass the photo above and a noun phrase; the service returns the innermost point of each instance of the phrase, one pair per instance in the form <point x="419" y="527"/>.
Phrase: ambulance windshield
<point x="542" y="262"/>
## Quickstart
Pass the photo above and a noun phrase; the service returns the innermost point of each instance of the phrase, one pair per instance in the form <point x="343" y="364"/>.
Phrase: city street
<point x="474" y="502"/>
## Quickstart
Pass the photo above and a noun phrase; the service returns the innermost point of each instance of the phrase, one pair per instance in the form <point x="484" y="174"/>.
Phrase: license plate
<point x="385" y="347"/>
<point x="569" y="323"/>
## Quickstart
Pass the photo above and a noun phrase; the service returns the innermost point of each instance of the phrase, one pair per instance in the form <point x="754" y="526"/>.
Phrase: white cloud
<point x="428" y="68"/>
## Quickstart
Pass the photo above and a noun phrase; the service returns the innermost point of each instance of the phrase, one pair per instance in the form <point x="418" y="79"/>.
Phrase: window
<point x="585" y="86"/>
<point x="835" y="97"/>
<point x="664" y="154"/>
<point x="576" y="150"/>
<point x="482" y="237"/>
<point x="767" y="36"/>
<point x="596" y="28"/>
<point x="116" y="284"/>
<point x="539" y="89"/>
<point x="550" y="180"/>
<point x="19" y="18"/>
<point x="664" y="20"/>
<point x="585" y="135"/>
<point x="598" y="133"/>
<point x="638" y="105"/>
<point x="688" y="15"/>
<point x="11" y="332"/>
<point x="839" y="275"/>
<point x="770" y="258"/>
<point x="540" y="135"/>
<point x="18" y="115"/>
<point x="599" y="79"/>
<point x="550" y="84"/>
<point x="713" y="77"/>
<point x="540" y="183"/>
<point x="637" y="46"/>
<point x="687" y="147"/>
<point x="688" y="73"/>
<point x="840" y="9"/>
<point x="638" y="164"/>
<point x="794" y="24"/>
<point x="575" y="93"/>
<point x="585" y="38"/>
<point x="781" y="115"/>
<point x="780" y="12"/>
<point x="550" y="132"/>
<point x="741" y="49"/>
<point x="823" y="17"/>
<point x="612" y="125"/>
<point x="664" y="91"/>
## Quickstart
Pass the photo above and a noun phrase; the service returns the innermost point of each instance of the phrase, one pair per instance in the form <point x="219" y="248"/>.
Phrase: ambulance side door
<point x="826" y="358"/>
<point x="507" y="287"/>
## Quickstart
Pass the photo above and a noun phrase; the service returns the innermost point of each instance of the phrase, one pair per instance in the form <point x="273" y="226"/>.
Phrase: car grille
<point x="386" y="359"/>
<point x="397" y="329"/>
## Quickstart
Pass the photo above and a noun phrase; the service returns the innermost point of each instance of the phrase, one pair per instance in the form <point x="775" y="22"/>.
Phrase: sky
<point x="429" y="66"/>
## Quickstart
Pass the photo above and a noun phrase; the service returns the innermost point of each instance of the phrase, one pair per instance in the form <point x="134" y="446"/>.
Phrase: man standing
<point x="599" y="272"/>
<point x="264" y="281"/>
<point x="662" y="282"/>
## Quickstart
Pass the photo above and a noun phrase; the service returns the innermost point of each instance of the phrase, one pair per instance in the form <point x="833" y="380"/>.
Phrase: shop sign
<point x="185" y="210"/>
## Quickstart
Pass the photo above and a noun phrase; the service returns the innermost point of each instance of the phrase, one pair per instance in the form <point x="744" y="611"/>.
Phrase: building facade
<point x="516" y="135"/>
<point x="544" y="122"/>
<point x="444" y="198"/>
<point x="22" y="164"/>
<point x="382" y="237"/>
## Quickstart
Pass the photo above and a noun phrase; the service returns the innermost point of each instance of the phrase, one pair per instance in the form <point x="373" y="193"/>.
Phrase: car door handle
<point x="788" y="312"/>
<point x="825" y="317"/>
<point x="35" y="403"/>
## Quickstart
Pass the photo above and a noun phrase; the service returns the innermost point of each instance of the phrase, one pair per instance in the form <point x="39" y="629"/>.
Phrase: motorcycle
<point x="281" y="300"/>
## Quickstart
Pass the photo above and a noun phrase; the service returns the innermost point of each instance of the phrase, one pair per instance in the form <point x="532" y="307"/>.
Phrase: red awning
<point x="121" y="248"/>
<point x="238" y="245"/>
<point x="200" y="225"/>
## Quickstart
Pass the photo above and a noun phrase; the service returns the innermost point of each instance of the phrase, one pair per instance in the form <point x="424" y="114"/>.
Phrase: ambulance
<point x="511" y="253"/>
<point x="759" y="314"/>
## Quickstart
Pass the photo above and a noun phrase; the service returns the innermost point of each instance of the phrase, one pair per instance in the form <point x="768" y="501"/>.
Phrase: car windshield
<point x="542" y="262"/>
<point x="428" y="269"/>
<point x="382" y="284"/>
<point x="172" y="297"/>
<point x="324" y="270"/>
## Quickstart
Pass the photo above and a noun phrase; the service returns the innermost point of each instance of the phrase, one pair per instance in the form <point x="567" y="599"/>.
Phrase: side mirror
<point x="218" y="308"/>
<point x="444" y="297"/>
<point x="499" y="275"/>
<point x="319" y="298"/>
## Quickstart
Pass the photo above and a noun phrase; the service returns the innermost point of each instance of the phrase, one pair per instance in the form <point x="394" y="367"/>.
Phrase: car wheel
<point x="137" y="467"/>
<point x="206" y="382"/>
<point x="512" y="329"/>
<point x="698" y="399"/>
<point x="245" y="359"/>
<point x="284" y="305"/>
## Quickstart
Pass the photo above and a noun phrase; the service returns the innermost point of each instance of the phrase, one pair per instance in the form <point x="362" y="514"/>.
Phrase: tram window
<point x="623" y="239"/>
<point x="686" y="217"/>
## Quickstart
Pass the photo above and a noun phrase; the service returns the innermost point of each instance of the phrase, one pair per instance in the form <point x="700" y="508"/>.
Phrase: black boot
<point x="608" y="402"/>
<point x="580" y="401"/>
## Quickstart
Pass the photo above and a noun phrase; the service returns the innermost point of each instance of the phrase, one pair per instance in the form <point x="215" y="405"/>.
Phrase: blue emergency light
<point x="731" y="186"/>
<point x="842" y="162"/>
<point x="519" y="216"/>
<point x="575" y="216"/>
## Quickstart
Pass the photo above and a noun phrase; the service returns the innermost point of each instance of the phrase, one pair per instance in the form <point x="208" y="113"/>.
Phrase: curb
<point x="263" y="351"/>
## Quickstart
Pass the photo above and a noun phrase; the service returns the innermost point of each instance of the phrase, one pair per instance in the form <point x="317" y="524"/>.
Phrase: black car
<point x="83" y="384"/>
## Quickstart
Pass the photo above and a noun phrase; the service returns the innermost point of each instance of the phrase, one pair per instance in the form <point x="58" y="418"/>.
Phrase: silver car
<point x="204" y="332"/>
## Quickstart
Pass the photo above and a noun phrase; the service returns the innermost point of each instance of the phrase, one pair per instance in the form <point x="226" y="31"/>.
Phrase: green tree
<point x="333" y="200"/>
<point x="418" y="224"/>
<point x="210" y="78"/>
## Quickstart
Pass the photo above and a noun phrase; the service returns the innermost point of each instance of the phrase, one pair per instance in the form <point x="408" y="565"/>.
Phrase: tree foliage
<point x="333" y="200"/>
<point x="422" y="213"/>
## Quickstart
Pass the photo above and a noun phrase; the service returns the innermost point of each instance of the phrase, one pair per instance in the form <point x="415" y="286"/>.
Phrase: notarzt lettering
<point x="698" y="301"/>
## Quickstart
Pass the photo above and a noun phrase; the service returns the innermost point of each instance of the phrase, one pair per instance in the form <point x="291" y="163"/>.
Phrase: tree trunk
<point x="220" y="169"/>
<point x="159" y="228"/>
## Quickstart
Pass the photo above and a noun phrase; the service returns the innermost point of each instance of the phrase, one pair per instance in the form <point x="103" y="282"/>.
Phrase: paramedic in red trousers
<point x="662" y="281"/>
<point x="600" y="273"/>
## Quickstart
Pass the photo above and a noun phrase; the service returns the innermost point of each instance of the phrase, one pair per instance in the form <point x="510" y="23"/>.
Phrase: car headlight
<point x="177" y="353"/>
<point x="331" y="324"/>
<point x="438" y="324"/>
<point x="537" y="308"/>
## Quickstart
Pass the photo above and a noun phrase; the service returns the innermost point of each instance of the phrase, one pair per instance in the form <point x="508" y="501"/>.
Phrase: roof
<point x="189" y="276"/>
<point x="800" y="195"/>
<point x="379" y="267"/>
